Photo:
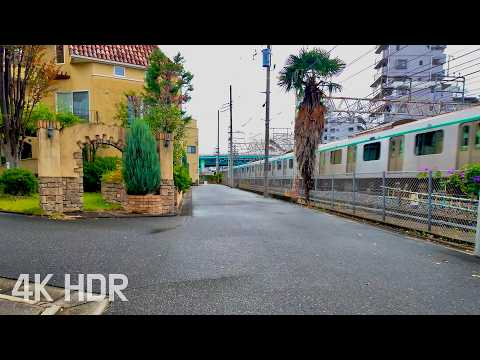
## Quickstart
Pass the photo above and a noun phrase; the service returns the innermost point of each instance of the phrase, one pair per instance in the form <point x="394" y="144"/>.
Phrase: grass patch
<point x="20" y="204"/>
<point x="30" y="205"/>
<point x="95" y="202"/>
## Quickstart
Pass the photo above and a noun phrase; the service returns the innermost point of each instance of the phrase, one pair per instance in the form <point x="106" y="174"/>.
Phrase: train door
<point x="396" y="149"/>
<point x="351" y="158"/>
<point x="468" y="144"/>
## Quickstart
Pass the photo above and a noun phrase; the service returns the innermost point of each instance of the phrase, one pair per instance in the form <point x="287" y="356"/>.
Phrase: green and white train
<point x="442" y="142"/>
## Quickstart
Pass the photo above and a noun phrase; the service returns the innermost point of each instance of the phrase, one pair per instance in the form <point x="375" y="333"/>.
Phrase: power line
<point x="333" y="48"/>
<point x="369" y="66"/>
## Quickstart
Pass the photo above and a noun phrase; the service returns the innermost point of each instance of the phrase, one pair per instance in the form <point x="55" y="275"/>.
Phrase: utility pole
<point x="230" y="169"/>
<point x="267" y="63"/>
<point x="218" y="141"/>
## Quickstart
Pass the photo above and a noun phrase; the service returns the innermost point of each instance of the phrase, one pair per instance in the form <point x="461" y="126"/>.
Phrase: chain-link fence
<point x="415" y="200"/>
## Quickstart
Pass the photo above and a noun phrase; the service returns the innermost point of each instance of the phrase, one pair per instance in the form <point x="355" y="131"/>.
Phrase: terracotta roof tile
<point x="128" y="54"/>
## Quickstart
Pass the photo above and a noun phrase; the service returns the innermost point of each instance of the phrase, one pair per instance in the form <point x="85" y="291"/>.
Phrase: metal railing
<point x="414" y="200"/>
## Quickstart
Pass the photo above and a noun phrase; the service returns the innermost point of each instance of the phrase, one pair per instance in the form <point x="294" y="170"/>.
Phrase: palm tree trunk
<point x="309" y="124"/>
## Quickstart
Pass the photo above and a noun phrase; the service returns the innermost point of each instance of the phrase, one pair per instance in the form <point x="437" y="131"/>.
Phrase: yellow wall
<point x="191" y="136"/>
<point x="105" y="89"/>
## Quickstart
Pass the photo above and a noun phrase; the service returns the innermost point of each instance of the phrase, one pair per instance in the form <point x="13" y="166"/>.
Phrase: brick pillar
<point x="167" y="187"/>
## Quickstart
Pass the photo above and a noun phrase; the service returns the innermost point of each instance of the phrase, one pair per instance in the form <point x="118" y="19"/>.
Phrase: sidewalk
<point x="11" y="305"/>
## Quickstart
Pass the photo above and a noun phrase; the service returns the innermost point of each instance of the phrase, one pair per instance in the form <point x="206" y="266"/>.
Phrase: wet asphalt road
<point x="238" y="253"/>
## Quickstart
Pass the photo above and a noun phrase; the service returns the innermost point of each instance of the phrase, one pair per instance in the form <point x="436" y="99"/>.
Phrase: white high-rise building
<point x="412" y="73"/>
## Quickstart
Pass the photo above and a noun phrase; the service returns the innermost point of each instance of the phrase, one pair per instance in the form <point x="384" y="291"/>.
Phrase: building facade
<point x="414" y="73"/>
<point x="191" y="139"/>
<point x="338" y="127"/>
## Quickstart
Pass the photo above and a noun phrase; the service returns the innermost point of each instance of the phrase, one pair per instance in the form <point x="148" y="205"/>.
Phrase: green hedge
<point x="18" y="182"/>
<point x="93" y="171"/>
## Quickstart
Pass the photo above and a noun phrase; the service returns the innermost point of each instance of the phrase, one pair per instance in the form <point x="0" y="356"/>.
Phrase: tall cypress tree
<point x="141" y="165"/>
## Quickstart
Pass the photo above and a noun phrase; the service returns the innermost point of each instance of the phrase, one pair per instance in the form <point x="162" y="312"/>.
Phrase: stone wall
<point x="149" y="204"/>
<point x="168" y="192"/>
<point x="60" y="194"/>
<point x="114" y="192"/>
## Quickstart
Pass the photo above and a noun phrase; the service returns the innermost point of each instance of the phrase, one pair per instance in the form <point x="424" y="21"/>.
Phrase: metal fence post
<point x="430" y="200"/>
<point x="477" y="234"/>
<point x="353" y="191"/>
<point x="383" y="197"/>
<point x="333" y="192"/>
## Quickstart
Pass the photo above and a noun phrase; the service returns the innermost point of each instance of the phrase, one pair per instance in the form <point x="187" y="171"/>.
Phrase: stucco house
<point x="92" y="80"/>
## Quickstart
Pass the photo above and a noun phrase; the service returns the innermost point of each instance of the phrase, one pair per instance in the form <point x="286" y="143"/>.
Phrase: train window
<point x="290" y="163"/>
<point x="336" y="157"/>
<point x="279" y="165"/>
<point x="465" y="135"/>
<point x="371" y="151"/>
<point x="429" y="143"/>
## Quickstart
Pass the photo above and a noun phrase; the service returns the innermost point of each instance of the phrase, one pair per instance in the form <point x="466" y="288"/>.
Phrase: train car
<point x="442" y="142"/>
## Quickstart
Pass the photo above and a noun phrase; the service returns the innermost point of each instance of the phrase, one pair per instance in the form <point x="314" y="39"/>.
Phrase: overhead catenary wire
<point x="369" y="66"/>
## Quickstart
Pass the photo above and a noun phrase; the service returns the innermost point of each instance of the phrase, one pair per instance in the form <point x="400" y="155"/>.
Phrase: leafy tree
<point x="167" y="87"/>
<point x="309" y="74"/>
<point x="25" y="78"/>
<point x="141" y="165"/>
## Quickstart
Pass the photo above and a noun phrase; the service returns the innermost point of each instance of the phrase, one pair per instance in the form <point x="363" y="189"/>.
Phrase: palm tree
<point x="309" y="74"/>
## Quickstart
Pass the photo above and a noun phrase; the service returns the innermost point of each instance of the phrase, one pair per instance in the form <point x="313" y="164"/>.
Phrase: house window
<point x="465" y="135"/>
<point x="429" y="143"/>
<point x="75" y="102"/>
<point x="60" y="57"/>
<point x="350" y="129"/>
<point x="119" y="71"/>
<point x="191" y="149"/>
<point x="436" y="61"/>
<point x="400" y="64"/>
<point x="290" y="163"/>
<point x="371" y="151"/>
<point x="420" y="62"/>
<point x="336" y="157"/>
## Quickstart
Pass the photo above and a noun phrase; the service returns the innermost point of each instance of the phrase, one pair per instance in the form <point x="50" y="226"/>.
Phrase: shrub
<point x="18" y="182"/>
<point x="67" y="119"/>
<point x="42" y="112"/>
<point x="141" y="165"/>
<point x="114" y="176"/>
<point x="93" y="171"/>
<point x="181" y="177"/>
<point x="465" y="180"/>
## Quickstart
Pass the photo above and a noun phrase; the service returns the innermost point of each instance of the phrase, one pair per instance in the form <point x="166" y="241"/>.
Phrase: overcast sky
<point x="215" y="67"/>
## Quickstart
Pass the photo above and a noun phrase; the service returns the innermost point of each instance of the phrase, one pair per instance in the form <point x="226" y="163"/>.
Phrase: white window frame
<point x="115" y="73"/>
<point x="71" y="93"/>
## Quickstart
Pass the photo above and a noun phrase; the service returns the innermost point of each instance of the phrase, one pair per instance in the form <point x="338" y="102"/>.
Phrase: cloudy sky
<point x="216" y="67"/>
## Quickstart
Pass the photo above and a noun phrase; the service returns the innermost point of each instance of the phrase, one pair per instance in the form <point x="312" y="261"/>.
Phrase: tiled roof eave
<point x="104" y="61"/>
